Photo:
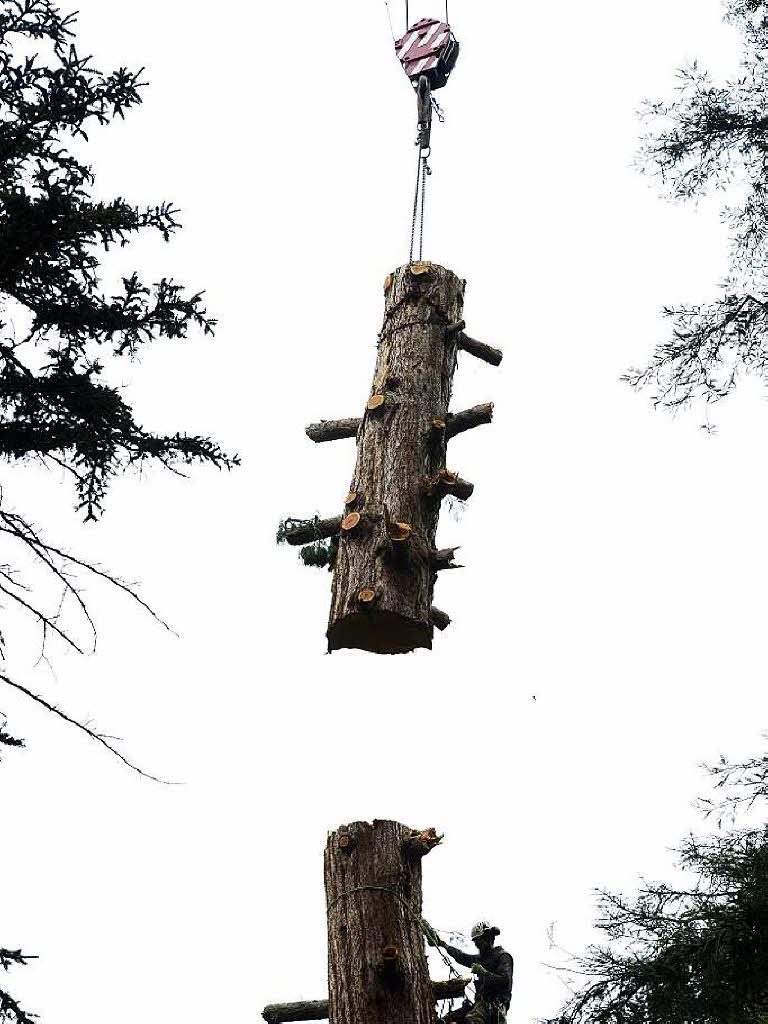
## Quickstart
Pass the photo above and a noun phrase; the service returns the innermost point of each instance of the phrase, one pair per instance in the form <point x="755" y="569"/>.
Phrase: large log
<point x="377" y="966"/>
<point x="283" y="1013"/>
<point x="399" y="452"/>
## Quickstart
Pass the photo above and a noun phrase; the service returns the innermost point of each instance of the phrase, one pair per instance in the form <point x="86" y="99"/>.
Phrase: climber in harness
<point x="493" y="968"/>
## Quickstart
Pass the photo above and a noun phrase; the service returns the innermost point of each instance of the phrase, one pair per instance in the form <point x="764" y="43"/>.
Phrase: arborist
<point x="493" y="969"/>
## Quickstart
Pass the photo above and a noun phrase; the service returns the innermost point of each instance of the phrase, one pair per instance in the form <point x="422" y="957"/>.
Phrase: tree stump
<point x="377" y="967"/>
<point x="398" y="452"/>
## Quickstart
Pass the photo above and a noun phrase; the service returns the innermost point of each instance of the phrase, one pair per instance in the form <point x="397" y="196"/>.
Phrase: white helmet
<point x="483" y="928"/>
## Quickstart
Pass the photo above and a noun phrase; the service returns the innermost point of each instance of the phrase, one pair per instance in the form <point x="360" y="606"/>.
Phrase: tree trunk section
<point x="399" y="451"/>
<point x="377" y="967"/>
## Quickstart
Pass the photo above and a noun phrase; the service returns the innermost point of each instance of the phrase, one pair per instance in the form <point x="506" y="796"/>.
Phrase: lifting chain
<point x="422" y="171"/>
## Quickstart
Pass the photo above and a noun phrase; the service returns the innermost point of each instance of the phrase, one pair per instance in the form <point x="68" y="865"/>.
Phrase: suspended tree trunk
<point x="384" y="577"/>
<point x="377" y="967"/>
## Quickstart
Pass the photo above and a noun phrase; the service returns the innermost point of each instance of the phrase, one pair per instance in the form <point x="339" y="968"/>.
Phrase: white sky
<point x="615" y="556"/>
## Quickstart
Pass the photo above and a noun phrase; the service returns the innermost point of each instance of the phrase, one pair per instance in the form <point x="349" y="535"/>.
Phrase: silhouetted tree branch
<point x="62" y="329"/>
<point x="10" y="1011"/>
<point x="688" y="955"/>
<point x="105" y="740"/>
<point x="714" y="136"/>
<point x="57" y="405"/>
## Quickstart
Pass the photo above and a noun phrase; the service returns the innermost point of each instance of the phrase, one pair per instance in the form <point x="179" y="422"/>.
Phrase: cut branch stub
<point x="400" y="533"/>
<point x="351" y="498"/>
<point x="444" y="482"/>
<point x="456" y="423"/>
<point x="440" y="620"/>
<point x="309" y="530"/>
<point x="287" y="1013"/>
<point x="444" y="559"/>
<point x="480" y="350"/>
<point x="391" y="967"/>
<point x="367" y="595"/>
<point x="421" y="843"/>
<point x="349" y="522"/>
<point x="452" y="988"/>
<point x="467" y="419"/>
<point x="282" y="1013"/>
<point x="421" y="269"/>
<point x="375" y="402"/>
<point x="332" y="430"/>
<point x="346" y="841"/>
<point x="395" y="453"/>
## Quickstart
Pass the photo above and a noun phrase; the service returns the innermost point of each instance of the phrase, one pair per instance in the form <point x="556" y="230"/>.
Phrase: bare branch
<point x="98" y="737"/>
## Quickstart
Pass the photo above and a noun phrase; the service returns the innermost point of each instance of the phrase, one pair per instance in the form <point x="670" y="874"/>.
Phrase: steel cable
<point x="415" y="207"/>
<point x="424" y="173"/>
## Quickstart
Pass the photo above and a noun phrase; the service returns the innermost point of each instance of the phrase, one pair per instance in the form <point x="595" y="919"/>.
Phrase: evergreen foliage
<point x="10" y="1011"/>
<point x="715" y="136"/>
<point x="61" y="327"/>
<point x="320" y="554"/>
<point x="696" y="954"/>
<point x="55" y="403"/>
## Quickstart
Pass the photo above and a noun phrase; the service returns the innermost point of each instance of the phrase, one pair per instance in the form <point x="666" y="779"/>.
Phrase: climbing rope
<point x="421" y="923"/>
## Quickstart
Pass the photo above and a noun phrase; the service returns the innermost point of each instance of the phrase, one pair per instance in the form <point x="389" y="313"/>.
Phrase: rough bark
<point x="377" y="966"/>
<point x="317" y="1009"/>
<point x="398" y="452"/>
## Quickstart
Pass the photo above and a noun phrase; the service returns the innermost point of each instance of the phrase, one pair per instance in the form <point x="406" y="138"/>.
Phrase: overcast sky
<point x="615" y="564"/>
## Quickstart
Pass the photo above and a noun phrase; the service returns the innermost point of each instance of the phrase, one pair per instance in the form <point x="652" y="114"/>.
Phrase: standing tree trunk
<point x="384" y="577"/>
<point x="377" y="967"/>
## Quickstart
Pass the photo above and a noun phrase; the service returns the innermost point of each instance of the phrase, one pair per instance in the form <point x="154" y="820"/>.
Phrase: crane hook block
<point x="428" y="48"/>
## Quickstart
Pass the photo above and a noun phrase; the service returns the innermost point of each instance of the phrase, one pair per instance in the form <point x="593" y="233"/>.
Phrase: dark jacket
<point x="497" y="987"/>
